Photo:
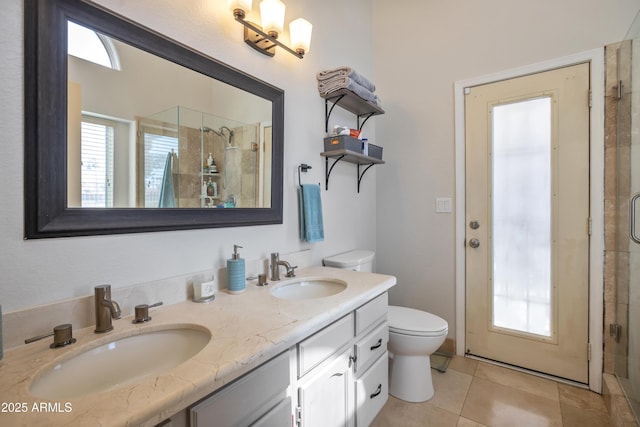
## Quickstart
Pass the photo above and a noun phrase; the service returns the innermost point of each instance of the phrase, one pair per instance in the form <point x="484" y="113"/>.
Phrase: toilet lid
<point x="410" y="321"/>
<point x="349" y="259"/>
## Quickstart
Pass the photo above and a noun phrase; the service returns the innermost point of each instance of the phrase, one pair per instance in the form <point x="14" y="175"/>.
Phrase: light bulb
<point x="240" y="7"/>
<point x="300" y="32"/>
<point x="272" y="13"/>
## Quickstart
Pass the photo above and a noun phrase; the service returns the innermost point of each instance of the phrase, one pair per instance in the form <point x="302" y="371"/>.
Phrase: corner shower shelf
<point x="350" y="102"/>
<point x="350" y="157"/>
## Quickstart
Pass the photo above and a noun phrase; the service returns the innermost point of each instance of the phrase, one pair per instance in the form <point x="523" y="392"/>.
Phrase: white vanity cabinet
<point x="336" y="377"/>
<point x="343" y="369"/>
<point x="259" y="398"/>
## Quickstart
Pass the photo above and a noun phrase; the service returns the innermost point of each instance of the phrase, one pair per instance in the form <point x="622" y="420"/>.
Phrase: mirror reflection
<point x="144" y="132"/>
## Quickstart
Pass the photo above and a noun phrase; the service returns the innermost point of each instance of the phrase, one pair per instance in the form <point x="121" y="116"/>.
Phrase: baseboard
<point x="448" y="346"/>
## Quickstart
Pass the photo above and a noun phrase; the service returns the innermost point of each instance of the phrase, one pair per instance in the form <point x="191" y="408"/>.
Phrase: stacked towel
<point x="327" y="86"/>
<point x="346" y="72"/>
<point x="346" y="78"/>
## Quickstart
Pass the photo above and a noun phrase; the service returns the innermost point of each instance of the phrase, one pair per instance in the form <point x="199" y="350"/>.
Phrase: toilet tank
<point x="356" y="260"/>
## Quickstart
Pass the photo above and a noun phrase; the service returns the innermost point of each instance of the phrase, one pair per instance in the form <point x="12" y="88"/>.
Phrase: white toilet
<point x="413" y="336"/>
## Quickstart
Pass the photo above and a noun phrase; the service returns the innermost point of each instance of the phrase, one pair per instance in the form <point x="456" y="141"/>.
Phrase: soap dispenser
<point x="235" y="272"/>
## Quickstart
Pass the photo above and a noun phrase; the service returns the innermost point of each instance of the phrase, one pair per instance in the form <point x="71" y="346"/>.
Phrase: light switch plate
<point x="443" y="205"/>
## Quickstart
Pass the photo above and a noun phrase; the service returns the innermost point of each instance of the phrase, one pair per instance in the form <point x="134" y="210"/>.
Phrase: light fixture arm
<point x="254" y="36"/>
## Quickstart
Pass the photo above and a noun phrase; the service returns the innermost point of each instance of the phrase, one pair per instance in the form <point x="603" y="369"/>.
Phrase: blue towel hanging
<point x="310" y="209"/>
<point x="167" y="194"/>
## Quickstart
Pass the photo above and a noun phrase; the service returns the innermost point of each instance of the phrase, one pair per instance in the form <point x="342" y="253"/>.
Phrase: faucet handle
<point x="142" y="312"/>
<point x="62" y="336"/>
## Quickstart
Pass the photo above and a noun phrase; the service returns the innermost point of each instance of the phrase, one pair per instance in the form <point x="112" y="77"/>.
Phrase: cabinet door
<point x="326" y="397"/>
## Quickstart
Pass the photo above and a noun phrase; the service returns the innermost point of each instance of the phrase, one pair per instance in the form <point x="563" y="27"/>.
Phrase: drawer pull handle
<point x="377" y="392"/>
<point x="378" y="345"/>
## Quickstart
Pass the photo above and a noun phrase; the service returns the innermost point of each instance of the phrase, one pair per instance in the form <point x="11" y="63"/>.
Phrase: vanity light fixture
<point x="265" y="39"/>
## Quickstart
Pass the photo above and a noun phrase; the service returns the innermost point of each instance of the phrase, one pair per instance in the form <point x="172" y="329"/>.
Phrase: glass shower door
<point x="625" y="330"/>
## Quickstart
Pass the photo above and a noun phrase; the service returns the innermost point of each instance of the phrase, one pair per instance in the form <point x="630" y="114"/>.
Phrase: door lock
<point x="474" y="225"/>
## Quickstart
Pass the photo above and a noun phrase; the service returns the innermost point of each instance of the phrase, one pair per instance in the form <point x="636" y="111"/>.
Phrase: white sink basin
<point x="119" y="362"/>
<point x="308" y="288"/>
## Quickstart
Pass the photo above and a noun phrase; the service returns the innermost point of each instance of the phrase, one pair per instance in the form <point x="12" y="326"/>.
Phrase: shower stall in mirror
<point x="626" y="329"/>
<point x="144" y="132"/>
<point x="190" y="159"/>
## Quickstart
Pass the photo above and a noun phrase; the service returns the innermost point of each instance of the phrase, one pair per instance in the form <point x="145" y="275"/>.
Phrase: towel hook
<point x="302" y="167"/>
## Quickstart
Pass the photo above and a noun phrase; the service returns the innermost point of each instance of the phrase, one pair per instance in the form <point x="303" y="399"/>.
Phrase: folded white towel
<point x="325" y="87"/>
<point x="346" y="72"/>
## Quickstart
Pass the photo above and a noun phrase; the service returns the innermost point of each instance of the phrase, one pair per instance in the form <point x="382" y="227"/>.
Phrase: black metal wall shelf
<point x="351" y="157"/>
<point x="352" y="103"/>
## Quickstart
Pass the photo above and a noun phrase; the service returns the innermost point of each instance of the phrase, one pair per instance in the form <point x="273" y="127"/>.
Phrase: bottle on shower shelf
<point x="212" y="164"/>
<point x="210" y="190"/>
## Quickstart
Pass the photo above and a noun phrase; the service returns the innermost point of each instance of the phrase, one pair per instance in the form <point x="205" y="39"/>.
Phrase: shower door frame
<point x="596" y="59"/>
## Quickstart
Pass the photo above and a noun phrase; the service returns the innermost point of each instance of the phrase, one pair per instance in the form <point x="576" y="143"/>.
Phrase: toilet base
<point x="410" y="378"/>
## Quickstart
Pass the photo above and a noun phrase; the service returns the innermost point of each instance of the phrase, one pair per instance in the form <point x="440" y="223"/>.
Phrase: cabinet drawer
<point x="369" y="348"/>
<point x="315" y="349"/>
<point x="372" y="391"/>
<point x="278" y="416"/>
<point x="371" y="313"/>
<point x="245" y="400"/>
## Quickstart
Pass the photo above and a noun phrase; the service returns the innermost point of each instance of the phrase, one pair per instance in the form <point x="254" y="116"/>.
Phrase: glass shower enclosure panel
<point x="158" y="165"/>
<point x="627" y="327"/>
<point x="192" y="159"/>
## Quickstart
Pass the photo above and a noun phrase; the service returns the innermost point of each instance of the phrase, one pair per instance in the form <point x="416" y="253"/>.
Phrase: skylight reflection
<point x="85" y="44"/>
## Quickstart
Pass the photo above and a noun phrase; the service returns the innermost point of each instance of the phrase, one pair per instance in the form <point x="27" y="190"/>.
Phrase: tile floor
<point x="477" y="394"/>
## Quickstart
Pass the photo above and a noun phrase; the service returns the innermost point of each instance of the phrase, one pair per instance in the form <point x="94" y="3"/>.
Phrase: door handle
<point x="474" y="243"/>
<point x="632" y="218"/>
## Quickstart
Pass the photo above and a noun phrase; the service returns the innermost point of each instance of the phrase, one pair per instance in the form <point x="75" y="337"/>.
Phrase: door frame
<point x="596" y="195"/>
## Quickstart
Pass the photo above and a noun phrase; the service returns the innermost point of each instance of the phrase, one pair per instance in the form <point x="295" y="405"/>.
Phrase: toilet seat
<point x="409" y="321"/>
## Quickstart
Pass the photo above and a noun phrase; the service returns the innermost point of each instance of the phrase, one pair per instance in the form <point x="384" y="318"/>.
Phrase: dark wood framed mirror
<point x="49" y="207"/>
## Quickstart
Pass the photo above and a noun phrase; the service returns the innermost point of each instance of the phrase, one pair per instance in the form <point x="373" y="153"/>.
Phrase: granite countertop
<point x="246" y="330"/>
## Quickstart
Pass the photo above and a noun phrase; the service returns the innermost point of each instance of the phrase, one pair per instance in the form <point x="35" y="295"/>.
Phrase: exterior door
<point x="527" y="221"/>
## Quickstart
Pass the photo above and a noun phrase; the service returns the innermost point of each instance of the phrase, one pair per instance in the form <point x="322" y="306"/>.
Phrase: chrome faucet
<point x="275" y="267"/>
<point x="106" y="309"/>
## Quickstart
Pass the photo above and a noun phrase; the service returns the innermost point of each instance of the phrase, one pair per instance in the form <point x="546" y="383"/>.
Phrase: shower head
<point x="227" y="129"/>
<point x="230" y="140"/>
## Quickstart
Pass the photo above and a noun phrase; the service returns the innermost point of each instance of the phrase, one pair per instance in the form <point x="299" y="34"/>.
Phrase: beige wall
<point x="413" y="50"/>
<point x="39" y="271"/>
<point x="425" y="47"/>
